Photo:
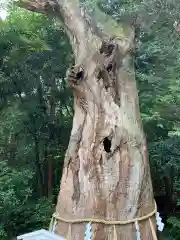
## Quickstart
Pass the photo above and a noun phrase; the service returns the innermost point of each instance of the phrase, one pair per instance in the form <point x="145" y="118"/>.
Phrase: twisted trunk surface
<point x="106" y="173"/>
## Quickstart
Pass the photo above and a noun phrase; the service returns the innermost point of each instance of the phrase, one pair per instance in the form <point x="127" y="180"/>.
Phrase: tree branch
<point x="69" y="12"/>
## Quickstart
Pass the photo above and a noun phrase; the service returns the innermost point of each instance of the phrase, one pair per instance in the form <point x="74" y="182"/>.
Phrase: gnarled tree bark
<point x="106" y="173"/>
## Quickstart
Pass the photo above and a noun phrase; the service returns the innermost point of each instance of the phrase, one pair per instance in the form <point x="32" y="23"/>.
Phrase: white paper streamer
<point x="159" y="222"/>
<point x="54" y="226"/>
<point x="88" y="232"/>
<point x="138" y="235"/>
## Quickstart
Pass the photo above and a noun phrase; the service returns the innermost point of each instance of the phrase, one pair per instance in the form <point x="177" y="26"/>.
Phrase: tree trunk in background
<point x="168" y="183"/>
<point x="106" y="173"/>
<point x="52" y="113"/>
<point x="39" y="173"/>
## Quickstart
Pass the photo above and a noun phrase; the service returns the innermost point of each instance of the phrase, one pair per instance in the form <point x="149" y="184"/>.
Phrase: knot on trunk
<point x="113" y="59"/>
<point x="75" y="75"/>
<point x="98" y="70"/>
<point x="107" y="48"/>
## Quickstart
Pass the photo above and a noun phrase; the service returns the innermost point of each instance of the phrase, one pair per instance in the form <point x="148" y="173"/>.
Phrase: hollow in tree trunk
<point x="106" y="172"/>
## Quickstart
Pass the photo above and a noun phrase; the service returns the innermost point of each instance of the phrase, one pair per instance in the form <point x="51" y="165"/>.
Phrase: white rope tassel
<point x="138" y="235"/>
<point x="115" y="233"/>
<point x="54" y="226"/>
<point x="152" y="230"/>
<point x="51" y="224"/>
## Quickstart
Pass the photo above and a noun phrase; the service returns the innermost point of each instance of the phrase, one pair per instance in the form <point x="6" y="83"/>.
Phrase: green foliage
<point x="33" y="215"/>
<point x="165" y="162"/>
<point x="19" y="212"/>
<point x="173" y="230"/>
<point x="14" y="192"/>
<point x="36" y="118"/>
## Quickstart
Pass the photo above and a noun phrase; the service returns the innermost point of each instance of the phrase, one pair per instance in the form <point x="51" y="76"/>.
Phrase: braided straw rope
<point x="106" y="222"/>
<point x="56" y="217"/>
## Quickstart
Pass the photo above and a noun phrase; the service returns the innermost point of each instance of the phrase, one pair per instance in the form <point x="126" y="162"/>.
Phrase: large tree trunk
<point x="106" y="173"/>
<point x="106" y="164"/>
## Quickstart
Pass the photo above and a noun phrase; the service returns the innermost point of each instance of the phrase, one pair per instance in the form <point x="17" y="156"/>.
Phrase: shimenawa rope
<point x="56" y="216"/>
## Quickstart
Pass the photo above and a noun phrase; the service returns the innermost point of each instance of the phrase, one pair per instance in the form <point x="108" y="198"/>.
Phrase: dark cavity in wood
<point x="107" y="144"/>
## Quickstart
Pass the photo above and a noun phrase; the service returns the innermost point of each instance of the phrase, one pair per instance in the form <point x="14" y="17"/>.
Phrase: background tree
<point x="35" y="119"/>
